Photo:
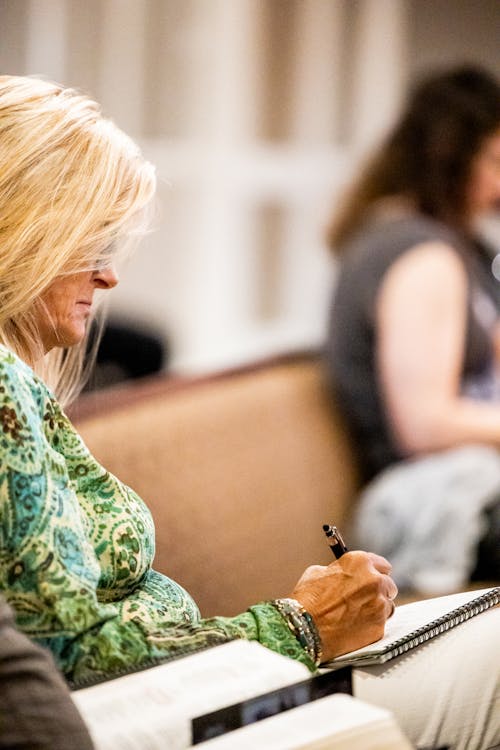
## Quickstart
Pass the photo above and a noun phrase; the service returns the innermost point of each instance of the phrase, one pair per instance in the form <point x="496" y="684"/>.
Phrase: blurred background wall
<point x="256" y="112"/>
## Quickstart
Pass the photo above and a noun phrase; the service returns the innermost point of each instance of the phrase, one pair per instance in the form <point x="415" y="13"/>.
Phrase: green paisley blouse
<point x="76" y="548"/>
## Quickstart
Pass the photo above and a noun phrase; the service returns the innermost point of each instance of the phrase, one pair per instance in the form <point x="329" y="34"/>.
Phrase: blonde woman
<point x="77" y="545"/>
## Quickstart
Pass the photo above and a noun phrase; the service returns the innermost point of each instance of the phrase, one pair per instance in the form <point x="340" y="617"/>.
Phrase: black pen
<point x="335" y="541"/>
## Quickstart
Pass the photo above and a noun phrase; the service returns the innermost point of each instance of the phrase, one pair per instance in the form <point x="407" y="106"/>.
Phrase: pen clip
<point x="335" y="540"/>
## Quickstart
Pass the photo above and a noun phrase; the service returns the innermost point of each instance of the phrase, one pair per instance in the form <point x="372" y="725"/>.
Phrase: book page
<point x="338" y="721"/>
<point x="410" y="617"/>
<point x="152" y="709"/>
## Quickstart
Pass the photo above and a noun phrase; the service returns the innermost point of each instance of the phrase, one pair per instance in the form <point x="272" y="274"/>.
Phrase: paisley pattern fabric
<point x="76" y="548"/>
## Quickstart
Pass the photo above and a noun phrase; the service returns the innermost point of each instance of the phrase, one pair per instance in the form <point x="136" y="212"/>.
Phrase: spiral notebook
<point x="415" y="623"/>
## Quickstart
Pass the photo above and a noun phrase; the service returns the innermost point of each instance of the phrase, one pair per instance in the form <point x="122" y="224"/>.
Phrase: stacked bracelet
<point x="302" y="626"/>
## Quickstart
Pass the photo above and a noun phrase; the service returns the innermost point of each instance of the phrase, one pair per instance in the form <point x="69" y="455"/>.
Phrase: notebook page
<point x="410" y="617"/>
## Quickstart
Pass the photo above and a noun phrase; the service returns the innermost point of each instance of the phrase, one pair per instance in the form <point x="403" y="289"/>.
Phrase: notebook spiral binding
<point x="441" y="624"/>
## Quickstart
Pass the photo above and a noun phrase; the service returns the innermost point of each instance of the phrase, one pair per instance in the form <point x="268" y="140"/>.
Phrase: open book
<point x="336" y="721"/>
<point x="189" y="700"/>
<point x="153" y="708"/>
<point x="415" y="623"/>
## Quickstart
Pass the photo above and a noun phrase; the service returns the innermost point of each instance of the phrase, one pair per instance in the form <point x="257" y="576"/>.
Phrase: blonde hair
<point x="72" y="188"/>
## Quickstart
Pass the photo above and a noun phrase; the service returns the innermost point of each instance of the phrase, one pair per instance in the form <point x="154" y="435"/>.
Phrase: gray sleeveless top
<point x="350" y="348"/>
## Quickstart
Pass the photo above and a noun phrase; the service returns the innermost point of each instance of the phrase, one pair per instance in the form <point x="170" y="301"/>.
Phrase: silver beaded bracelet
<point x="302" y="626"/>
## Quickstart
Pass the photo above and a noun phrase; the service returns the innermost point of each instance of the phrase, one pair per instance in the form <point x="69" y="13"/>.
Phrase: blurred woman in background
<point x="413" y="343"/>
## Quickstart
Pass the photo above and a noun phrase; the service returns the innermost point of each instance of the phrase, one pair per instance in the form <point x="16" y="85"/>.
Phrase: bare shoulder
<point x="426" y="267"/>
<point x="431" y="276"/>
<point x="430" y="258"/>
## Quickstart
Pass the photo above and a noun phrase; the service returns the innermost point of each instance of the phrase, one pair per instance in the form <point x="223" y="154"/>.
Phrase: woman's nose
<point x="106" y="278"/>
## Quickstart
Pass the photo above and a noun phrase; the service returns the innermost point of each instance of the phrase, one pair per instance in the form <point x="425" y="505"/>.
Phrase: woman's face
<point x="484" y="184"/>
<point x="66" y="306"/>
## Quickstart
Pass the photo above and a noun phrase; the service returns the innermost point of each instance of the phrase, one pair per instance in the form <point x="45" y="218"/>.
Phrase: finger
<point x="392" y="608"/>
<point x="379" y="562"/>
<point x="391" y="588"/>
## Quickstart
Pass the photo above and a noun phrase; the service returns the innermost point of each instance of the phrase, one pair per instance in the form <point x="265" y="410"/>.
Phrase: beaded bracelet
<point x="302" y="626"/>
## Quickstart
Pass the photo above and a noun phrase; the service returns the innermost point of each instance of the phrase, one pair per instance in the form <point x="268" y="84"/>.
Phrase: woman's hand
<point x="350" y="600"/>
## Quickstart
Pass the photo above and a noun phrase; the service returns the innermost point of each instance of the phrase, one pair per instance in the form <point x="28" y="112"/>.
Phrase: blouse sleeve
<point x="50" y="573"/>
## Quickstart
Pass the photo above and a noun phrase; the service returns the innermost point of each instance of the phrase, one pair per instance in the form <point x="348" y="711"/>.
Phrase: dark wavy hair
<point x="428" y="155"/>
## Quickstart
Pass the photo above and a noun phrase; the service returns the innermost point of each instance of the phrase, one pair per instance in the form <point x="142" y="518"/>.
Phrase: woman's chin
<point x="71" y="337"/>
<point x="76" y="338"/>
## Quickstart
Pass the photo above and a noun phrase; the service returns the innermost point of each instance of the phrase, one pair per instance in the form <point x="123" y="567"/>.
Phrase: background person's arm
<point x="421" y="310"/>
